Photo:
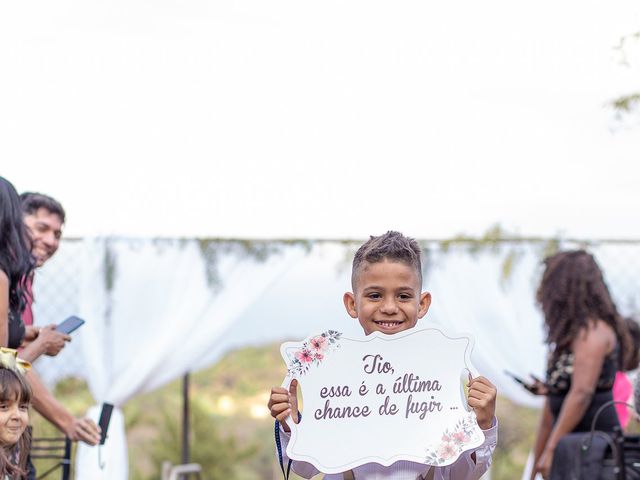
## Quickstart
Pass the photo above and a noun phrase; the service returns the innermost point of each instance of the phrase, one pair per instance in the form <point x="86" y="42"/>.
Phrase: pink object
<point x="27" y="314"/>
<point x="622" y="390"/>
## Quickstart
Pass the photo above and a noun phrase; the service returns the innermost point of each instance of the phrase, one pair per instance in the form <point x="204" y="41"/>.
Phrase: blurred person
<point x="16" y="268"/>
<point x="44" y="217"/>
<point x="588" y="343"/>
<point x="622" y="387"/>
<point x="15" y="265"/>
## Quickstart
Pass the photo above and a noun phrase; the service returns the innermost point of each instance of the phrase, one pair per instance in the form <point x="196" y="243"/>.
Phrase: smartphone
<point x="530" y="387"/>
<point x="105" y="417"/>
<point x="517" y="378"/>
<point x="70" y="324"/>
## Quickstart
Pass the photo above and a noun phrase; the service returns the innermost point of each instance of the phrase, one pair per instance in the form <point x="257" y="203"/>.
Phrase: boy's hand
<point x="283" y="403"/>
<point x="482" y="398"/>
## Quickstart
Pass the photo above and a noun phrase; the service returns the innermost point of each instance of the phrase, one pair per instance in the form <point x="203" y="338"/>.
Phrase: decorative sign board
<point x="386" y="397"/>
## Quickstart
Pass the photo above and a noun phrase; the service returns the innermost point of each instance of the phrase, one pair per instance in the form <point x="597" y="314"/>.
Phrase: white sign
<point x="381" y="398"/>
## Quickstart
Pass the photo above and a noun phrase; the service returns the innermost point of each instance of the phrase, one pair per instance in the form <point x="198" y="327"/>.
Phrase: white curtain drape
<point x="471" y="293"/>
<point x="153" y="315"/>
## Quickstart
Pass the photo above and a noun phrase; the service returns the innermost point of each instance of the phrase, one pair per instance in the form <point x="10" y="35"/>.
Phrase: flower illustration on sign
<point x="453" y="441"/>
<point x="319" y="343"/>
<point x="304" y="356"/>
<point x="313" y="351"/>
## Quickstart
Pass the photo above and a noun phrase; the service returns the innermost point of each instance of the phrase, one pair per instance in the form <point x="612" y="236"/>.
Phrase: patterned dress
<point x="559" y="371"/>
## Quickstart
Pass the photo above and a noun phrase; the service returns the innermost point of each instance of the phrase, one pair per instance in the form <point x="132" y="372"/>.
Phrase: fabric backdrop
<point x="158" y="309"/>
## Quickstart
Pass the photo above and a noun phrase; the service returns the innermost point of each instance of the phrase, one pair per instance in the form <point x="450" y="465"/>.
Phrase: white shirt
<point x="462" y="469"/>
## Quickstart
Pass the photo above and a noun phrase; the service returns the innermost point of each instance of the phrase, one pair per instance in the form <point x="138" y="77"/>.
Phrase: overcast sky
<point x="323" y="119"/>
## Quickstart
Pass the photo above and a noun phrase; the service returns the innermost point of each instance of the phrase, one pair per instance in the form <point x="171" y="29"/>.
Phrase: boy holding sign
<point x="387" y="297"/>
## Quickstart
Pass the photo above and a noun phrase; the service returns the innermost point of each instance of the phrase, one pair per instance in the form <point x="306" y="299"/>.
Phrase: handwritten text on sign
<point x="389" y="398"/>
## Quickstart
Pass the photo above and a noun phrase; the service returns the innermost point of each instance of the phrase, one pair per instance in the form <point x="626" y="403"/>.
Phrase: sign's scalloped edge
<point x="287" y="347"/>
<point x="385" y="462"/>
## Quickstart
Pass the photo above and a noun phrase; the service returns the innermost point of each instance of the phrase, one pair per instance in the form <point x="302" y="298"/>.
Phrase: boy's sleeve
<point x="465" y="468"/>
<point x="304" y="469"/>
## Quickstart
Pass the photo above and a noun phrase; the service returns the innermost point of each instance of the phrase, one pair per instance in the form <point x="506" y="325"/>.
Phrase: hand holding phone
<point x="538" y="387"/>
<point x="50" y="341"/>
<point x="105" y="417"/>
<point x="70" y="324"/>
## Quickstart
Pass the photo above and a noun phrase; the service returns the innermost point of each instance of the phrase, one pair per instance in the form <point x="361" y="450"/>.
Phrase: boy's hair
<point x="32" y="201"/>
<point x="14" y="388"/>
<point x="392" y="246"/>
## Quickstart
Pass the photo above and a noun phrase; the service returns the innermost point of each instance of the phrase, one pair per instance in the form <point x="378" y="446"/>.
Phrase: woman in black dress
<point x="16" y="264"/>
<point x="588" y="344"/>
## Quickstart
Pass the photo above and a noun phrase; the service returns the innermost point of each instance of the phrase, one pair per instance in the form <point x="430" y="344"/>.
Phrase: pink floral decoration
<point x="319" y="343"/>
<point x="454" y="441"/>
<point x="313" y="351"/>
<point x="304" y="356"/>
<point x="447" y="450"/>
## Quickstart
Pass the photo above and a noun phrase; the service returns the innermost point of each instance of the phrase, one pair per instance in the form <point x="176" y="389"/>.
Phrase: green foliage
<point x="508" y="265"/>
<point x="218" y="456"/>
<point x="515" y="439"/>
<point x="241" y="373"/>
<point x="76" y="397"/>
<point x="627" y="103"/>
<point x="259" y="250"/>
<point x="492" y="239"/>
<point x="110" y="265"/>
<point x="237" y="445"/>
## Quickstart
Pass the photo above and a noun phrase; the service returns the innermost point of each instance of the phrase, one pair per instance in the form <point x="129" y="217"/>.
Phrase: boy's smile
<point x="387" y="297"/>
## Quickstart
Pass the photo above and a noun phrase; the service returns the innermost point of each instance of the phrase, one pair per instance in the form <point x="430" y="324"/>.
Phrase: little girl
<point x="15" y="400"/>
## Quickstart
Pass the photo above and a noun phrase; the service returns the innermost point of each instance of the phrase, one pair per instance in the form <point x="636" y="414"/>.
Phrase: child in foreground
<point x="387" y="297"/>
<point x="15" y="400"/>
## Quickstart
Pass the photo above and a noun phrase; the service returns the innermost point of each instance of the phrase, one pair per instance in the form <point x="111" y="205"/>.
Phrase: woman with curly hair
<point x="588" y="344"/>
<point x="16" y="265"/>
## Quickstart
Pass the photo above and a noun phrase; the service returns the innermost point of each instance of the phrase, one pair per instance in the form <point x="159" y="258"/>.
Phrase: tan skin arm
<point x="77" y="429"/>
<point x="544" y="430"/>
<point x="49" y="341"/>
<point x="4" y="309"/>
<point x="589" y="349"/>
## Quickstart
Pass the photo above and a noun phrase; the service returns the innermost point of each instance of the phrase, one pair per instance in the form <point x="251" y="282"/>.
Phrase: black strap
<point x="617" y="447"/>
<point x="279" y="448"/>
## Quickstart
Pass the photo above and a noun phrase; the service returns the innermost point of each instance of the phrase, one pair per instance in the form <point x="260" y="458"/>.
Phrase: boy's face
<point x="387" y="297"/>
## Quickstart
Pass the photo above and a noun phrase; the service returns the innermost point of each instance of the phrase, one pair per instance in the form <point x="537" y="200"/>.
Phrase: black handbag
<point x="597" y="455"/>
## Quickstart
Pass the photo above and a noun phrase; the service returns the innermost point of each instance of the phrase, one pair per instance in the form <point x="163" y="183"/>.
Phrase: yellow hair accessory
<point x="9" y="359"/>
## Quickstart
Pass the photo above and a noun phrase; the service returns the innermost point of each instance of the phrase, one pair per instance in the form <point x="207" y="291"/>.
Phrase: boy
<point x="387" y="296"/>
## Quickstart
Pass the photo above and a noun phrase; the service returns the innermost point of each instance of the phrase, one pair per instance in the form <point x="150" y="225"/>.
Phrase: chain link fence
<point x="56" y="294"/>
<point x="58" y="284"/>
